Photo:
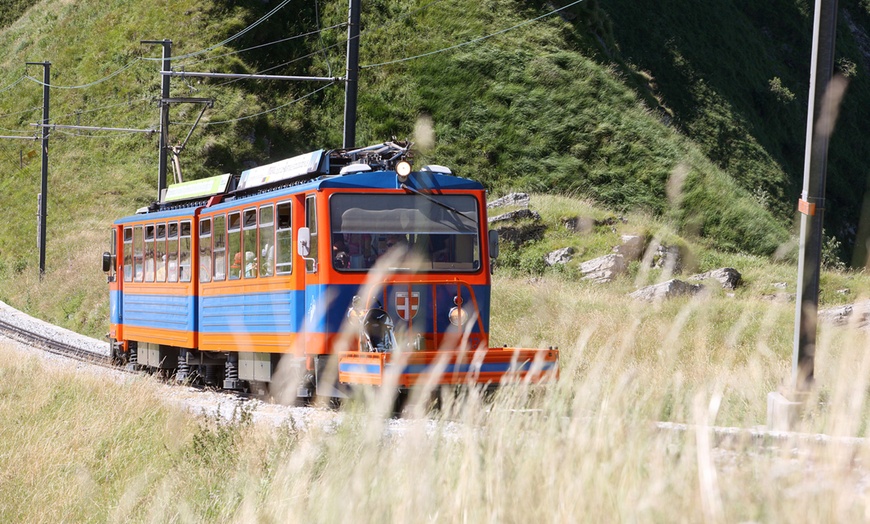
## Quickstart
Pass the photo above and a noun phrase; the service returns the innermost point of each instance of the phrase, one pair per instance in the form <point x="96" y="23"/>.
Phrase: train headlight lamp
<point x="403" y="169"/>
<point x="458" y="315"/>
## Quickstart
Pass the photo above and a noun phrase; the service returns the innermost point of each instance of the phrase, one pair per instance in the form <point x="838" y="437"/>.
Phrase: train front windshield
<point x="429" y="232"/>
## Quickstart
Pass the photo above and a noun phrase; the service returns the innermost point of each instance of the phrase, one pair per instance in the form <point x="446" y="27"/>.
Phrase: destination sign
<point x="289" y="168"/>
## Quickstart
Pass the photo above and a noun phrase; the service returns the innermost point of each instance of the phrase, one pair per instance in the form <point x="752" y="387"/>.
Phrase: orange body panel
<point x="185" y="339"/>
<point x="491" y="366"/>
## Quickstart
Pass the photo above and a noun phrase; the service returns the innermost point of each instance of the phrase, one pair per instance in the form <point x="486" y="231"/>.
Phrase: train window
<point x="184" y="253"/>
<point x="149" y="253"/>
<point x="138" y="254"/>
<point x="434" y="232"/>
<point x="172" y="252"/>
<point x="284" y="241"/>
<point x="234" y="245"/>
<point x="128" y="254"/>
<point x="205" y="250"/>
<point x="267" y="241"/>
<point x="160" y="253"/>
<point x="311" y="224"/>
<point x="249" y="243"/>
<point x="220" y="247"/>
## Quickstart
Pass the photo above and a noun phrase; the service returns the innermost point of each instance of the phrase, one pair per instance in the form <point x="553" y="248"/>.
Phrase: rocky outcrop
<point x="515" y="216"/>
<point x="603" y="269"/>
<point x="513" y="199"/>
<point x="727" y="276"/>
<point x="668" y="258"/>
<point x="857" y="315"/>
<point x="631" y="247"/>
<point x="670" y="289"/>
<point x="560" y="256"/>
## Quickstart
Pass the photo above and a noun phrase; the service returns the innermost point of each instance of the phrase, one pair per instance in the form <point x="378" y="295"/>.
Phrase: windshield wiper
<point x="437" y="203"/>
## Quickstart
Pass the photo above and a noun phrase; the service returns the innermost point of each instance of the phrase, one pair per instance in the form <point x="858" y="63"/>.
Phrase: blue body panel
<point x="327" y="306"/>
<point x="273" y="312"/>
<point x="172" y="312"/>
<point x="115" y="316"/>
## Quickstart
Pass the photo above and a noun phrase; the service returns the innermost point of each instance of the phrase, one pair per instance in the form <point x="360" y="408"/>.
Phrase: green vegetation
<point x="568" y="103"/>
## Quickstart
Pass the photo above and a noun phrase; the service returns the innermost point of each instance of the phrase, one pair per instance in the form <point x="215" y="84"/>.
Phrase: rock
<point x="603" y="269"/>
<point x="779" y="297"/>
<point x="670" y="289"/>
<point x="779" y="285"/>
<point x="844" y="291"/>
<point x="667" y="258"/>
<point x="513" y="199"/>
<point x="560" y="256"/>
<point x="727" y="276"/>
<point x="579" y="224"/>
<point x="857" y="315"/>
<point x="631" y="247"/>
<point x="518" y="235"/>
<point x="515" y="216"/>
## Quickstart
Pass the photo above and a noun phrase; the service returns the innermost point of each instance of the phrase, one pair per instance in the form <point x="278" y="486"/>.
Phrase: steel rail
<point x="53" y="346"/>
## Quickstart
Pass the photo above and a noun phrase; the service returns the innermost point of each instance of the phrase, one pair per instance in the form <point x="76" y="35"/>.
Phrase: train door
<point x="313" y="324"/>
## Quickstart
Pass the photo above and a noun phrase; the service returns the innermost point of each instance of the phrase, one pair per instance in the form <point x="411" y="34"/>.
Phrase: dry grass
<point x="584" y="449"/>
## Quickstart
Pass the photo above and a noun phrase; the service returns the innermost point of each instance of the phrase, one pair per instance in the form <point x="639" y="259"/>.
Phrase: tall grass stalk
<point x="585" y="448"/>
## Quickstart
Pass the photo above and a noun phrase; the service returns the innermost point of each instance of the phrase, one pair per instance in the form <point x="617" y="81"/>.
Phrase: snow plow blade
<point x="492" y="366"/>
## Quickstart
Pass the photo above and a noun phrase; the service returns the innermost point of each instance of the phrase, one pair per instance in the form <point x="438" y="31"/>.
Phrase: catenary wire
<point x="90" y="84"/>
<point x="271" y="110"/>
<point x="100" y="108"/>
<point x="13" y="84"/>
<point x="188" y="64"/>
<point x="230" y="39"/>
<point x="473" y="41"/>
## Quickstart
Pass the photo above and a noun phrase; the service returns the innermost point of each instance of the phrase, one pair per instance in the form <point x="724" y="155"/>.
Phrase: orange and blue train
<point x="317" y="273"/>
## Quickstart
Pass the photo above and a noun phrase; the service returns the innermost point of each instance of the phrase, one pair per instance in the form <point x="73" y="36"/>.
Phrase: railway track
<point x="52" y="345"/>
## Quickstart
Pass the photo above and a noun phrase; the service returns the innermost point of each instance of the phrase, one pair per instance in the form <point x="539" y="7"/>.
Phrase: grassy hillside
<point x="568" y="103"/>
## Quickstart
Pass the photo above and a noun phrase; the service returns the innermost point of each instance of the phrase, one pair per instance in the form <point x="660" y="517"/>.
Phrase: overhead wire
<point x="271" y="110"/>
<point x="32" y="109"/>
<point x="13" y="84"/>
<point x="337" y="44"/>
<point x="230" y="39"/>
<point x="473" y="41"/>
<point x="108" y="106"/>
<point x="188" y="64"/>
<point x="90" y="84"/>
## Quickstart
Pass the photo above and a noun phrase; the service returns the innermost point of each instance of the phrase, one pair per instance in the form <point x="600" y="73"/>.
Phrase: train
<point x="314" y="275"/>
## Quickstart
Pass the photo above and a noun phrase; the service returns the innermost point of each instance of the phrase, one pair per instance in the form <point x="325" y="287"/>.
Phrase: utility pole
<point x="351" y="83"/>
<point x="812" y="203"/>
<point x="783" y="411"/>
<point x="43" y="194"/>
<point x="164" y="112"/>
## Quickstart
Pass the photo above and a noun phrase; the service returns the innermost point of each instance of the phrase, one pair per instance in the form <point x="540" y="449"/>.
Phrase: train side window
<point x="249" y="243"/>
<point x="220" y="247"/>
<point x="128" y="254"/>
<point x="172" y="252"/>
<point x="267" y="241"/>
<point x="205" y="250"/>
<point x="311" y="224"/>
<point x="138" y="253"/>
<point x="234" y="245"/>
<point x="160" y="254"/>
<point x="149" y="253"/>
<point x="284" y="241"/>
<point x="184" y="252"/>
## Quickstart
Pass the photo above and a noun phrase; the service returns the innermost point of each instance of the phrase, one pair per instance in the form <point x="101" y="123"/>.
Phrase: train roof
<point x="317" y="170"/>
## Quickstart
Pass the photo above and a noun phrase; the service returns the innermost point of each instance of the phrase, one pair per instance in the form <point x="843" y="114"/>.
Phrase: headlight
<point x="403" y="169"/>
<point x="458" y="316"/>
